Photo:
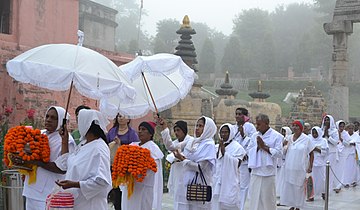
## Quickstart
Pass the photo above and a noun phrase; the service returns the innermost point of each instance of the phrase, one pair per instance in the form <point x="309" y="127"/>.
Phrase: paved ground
<point x="347" y="199"/>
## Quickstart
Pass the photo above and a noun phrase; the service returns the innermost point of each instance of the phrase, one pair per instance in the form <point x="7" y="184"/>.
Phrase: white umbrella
<point x="62" y="66"/>
<point x="160" y="81"/>
<point x="58" y="66"/>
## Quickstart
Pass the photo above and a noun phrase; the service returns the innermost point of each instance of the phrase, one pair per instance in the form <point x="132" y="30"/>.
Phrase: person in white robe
<point x="148" y="193"/>
<point x="176" y="169"/>
<point x="351" y="166"/>
<point x="344" y="149"/>
<point x="88" y="175"/>
<point x="245" y="129"/>
<point x="331" y="134"/>
<point x="226" y="192"/>
<point x="47" y="173"/>
<point x="286" y="132"/>
<point x="320" y="157"/>
<point x="298" y="161"/>
<point x="199" y="151"/>
<point x="264" y="148"/>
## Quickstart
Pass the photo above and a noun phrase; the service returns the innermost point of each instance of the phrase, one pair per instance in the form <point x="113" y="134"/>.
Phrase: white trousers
<point x="262" y="193"/>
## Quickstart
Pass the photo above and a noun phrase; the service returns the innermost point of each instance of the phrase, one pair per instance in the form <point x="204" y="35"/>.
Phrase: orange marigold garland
<point x="27" y="143"/>
<point x="131" y="164"/>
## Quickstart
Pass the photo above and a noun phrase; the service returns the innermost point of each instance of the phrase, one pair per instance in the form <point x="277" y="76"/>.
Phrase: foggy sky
<point x="216" y="14"/>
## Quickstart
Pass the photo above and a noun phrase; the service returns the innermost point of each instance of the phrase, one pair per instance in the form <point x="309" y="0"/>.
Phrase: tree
<point x="207" y="59"/>
<point x="166" y="38"/>
<point x="232" y="59"/>
<point x="252" y="26"/>
<point x="128" y="26"/>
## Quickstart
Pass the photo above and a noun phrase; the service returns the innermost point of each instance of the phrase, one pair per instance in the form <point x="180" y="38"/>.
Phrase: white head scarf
<point x="288" y="131"/>
<point x="87" y="116"/>
<point x="319" y="131"/>
<point x="338" y="123"/>
<point x="61" y="114"/>
<point x="208" y="133"/>
<point x="232" y="131"/>
<point x="332" y="123"/>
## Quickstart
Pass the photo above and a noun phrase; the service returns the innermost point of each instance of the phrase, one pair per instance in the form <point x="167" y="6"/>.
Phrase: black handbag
<point x="198" y="192"/>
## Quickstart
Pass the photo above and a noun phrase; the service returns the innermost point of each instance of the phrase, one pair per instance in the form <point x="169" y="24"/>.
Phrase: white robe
<point x="296" y="162"/>
<point x="148" y="193"/>
<point x="319" y="164"/>
<point x="45" y="180"/>
<point x="89" y="165"/>
<point x="263" y="167"/>
<point x="226" y="189"/>
<point x="177" y="169"/>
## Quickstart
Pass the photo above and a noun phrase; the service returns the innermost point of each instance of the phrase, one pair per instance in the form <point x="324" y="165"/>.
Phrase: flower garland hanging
<point x="28" y="144"/>
<point x="131" y="163"/>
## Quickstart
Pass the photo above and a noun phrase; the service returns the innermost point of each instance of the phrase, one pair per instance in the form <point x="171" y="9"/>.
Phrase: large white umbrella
<point x="61" y="66"/>
<point x="58" y="66"/>
<point x="160" y="81"/>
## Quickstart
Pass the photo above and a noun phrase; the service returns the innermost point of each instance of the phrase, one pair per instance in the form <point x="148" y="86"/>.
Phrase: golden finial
<point x="186" y="22"/>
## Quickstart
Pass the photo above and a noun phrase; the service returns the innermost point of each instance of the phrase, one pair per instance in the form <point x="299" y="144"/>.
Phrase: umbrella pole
<point x="67" y="104"/>
<point x="152" y="98"/>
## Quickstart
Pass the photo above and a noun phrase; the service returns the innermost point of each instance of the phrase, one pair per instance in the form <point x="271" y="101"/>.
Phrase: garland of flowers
<point x="27" y="143"/>
<point x="131" y="164"/>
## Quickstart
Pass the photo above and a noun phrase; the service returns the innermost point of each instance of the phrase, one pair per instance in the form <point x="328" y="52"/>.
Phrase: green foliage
<point x="232" y="60"/>
<point x="166" y="38"/>
<point x="207" y="59"/>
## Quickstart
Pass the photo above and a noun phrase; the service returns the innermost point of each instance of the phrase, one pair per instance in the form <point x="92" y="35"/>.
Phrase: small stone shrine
<point x="309" y="106"/>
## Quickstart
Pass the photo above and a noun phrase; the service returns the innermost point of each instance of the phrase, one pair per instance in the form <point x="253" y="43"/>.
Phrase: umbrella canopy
<point x="58" y="66"/>
<point x="160" y="81"/>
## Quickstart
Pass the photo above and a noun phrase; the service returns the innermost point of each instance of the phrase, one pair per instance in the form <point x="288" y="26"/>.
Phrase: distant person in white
<point x="320" y="157"/>
<point x="299" y="159"/>
<point x="264" y="148"/>
<point x="88" y="173"/>
<point x="331" y="134"/>
<point x="175" y="183"/>
<point x="226" y="190"/>
<point x="244" y="130"/>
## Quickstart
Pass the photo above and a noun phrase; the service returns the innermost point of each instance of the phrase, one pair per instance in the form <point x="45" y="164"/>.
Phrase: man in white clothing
<point x="176" y="170"/>
<point x="245" y="129"/>
<point x="264" y="148"/>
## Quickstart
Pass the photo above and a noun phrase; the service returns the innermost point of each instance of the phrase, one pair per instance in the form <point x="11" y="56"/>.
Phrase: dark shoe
<point x="279" y="204"/>
<point x="347" y="186"/>
<point x="353" y="184"/>
<point x="292" y="208"/>
<point x="310" y="200"/>
<point x="323" y="196"/>
<point x="337" y="190"/>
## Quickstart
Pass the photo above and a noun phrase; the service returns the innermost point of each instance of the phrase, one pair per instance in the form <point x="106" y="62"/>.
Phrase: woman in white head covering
<point x="344" y="150"/>
<point x="199" y="151"/>
<point x="226" y="191"/>
<point x="47" y="173"/>
<point x="320" y="156"/>
<point x="88" y="168"/>
<point x="331" y="134"/>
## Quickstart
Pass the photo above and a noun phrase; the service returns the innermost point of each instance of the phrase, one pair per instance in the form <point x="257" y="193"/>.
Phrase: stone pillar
<point x="339" y="92"/>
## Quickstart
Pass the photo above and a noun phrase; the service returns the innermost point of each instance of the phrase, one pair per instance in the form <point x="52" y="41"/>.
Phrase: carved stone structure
<point x="259" y="96"/>
<point x="346" y="13"/>
<point x="226" y="90"/>
<point x="98" y="23"/>
<point x="309" y="106"/>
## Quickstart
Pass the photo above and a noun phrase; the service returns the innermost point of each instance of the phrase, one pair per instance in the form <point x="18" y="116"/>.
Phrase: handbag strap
<point x="194" y="180"/>
<point x="202" y="175"/>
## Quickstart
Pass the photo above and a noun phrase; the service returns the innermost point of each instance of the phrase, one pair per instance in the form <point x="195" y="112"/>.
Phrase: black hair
<point x="243" y="111"/>
<point x="116" y="123"/>
<point x="77" y="110"/>
<point x="96" y="130"/>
